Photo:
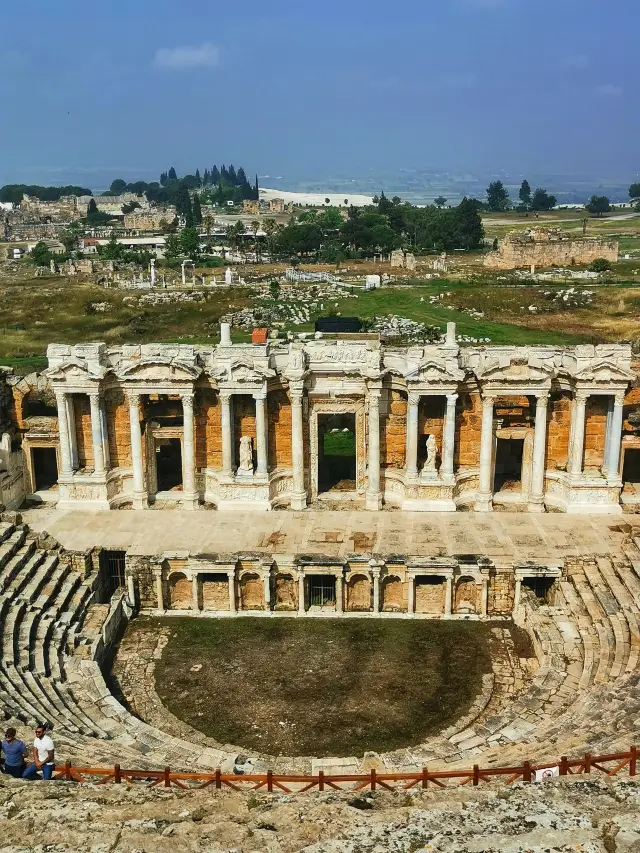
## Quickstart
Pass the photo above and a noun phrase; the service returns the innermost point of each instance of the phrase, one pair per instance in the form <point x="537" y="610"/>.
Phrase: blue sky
<point x="306" y="88"/>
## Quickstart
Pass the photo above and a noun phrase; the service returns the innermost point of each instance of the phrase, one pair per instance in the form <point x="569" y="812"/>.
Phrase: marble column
<point x="261" y="431"/>
<point x="484" y="598"/>
<point x="266" y="580"/>
<point x="373" y="497"/>
<point x="536" y="496"/>
<point x="517" y="593"/>
<point x="376" y="592"/>
<point x="299" y="495"/>
<point x="227" y="434"/>
<point x="139" y="490"/>
<point x="412" y="433"/>
<point x="131" y="590"/>
<point x="576" y="449"/>
<point x="614" y="439"/>
<point x="96" y="435"/>
<point x="339" y="594"/>
<point x="411" y="595"/>
<point x="301" y="608"/>
<point x="159" y="591"/>
<point x="195" y="593"/>
<point x="484" y="501"/>
<point x="447" y="596"/>
<point x="73" y="438"/>
<point x="231" y="576"/>
<point x="449" y="438"/>
<point x="105" y="434"/>
<point x="189" y="493"/>
<point x="66" y="469"/>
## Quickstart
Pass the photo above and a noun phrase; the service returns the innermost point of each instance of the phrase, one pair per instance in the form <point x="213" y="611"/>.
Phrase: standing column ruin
<point x="373" y="500"/>
<point x="576" y="448"/>
<point x="139" y="490"/>
<point x="448" y="444"/>
<point x="66" y="469"/>
<point x="299" y="495"/>
<point x="262" y="437"/>
<point x="484" y="501"/>
<point x="614" y="438"/>
<point x="412" y="433"/>
<point x="536" y="496"/>
<point x="190" y="495"/>
<point x="96" y="435"/>
<point x="227" y="437"/>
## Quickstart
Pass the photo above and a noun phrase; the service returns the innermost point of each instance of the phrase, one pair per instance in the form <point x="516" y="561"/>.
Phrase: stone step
<point x="12" y="577"/>
<point x="9" y="547"/>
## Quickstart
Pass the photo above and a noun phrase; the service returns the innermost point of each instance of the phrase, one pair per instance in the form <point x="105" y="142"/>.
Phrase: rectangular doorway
<point x="337" y="453"/>
<point x="112" y="564"/>
<point x="45" y="468"/>
<point x="508" y="468"/>
<point x="169" y="464"/>
<point x="631" y="468"/>
<point x="322" y="591"/>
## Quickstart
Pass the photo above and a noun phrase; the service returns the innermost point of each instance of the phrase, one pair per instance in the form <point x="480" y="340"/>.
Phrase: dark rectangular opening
<point x="508" y="472"/>
<point x="322" y="591"/>
<point x="169" y="464"/>
<point x="45" y="468"/>
<point x="113" y="563"/>
<point x="337" y="453"/>
<point x="541" y="587"/>
<point x="631" y="467"/>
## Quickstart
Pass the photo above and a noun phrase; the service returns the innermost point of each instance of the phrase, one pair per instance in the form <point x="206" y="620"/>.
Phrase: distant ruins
<point x="549" y="247"/>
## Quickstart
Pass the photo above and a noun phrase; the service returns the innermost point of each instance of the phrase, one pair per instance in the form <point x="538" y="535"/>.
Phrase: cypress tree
<point x="233" y="178"/>
<point x="215" y="175"/>
<point x="206" y="180"/>
<point x="224" y="175"/>
<point x="172" y="174"/>
<point x="242" y="178"/>
<point x="256" y="190"/>
<point x="196" y="210"/>
<point x="198" y="178"/>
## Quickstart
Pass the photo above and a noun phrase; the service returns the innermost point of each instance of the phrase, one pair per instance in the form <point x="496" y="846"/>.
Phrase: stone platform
<point x="503" y="537"/>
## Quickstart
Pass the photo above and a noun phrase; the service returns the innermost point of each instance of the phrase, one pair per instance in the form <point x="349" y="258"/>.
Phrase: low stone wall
<point x="549" y="248"/>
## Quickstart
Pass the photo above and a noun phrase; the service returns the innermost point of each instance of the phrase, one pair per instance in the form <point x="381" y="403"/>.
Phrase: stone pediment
<point x="242" y="371"/>
<point x="436" y="372"/>
<point x="75" y="370"/>
<point x="517" y="371"/>
<point x="160" y="369"/>
<point x="605" y="371"/>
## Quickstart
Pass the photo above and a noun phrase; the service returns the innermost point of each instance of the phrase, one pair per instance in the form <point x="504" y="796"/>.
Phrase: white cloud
<point x="609" y="90"/>
<point x="206" y="55"/>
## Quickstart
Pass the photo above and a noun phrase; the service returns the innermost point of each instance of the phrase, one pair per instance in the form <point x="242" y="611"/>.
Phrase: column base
<point x="140" y="501"/>
<point x="189" y="501"/>
<point x="536" y="506"/>
<point x="373" y="501"/>
<point x="299" y="500"/>
<point x="484" y="503"/>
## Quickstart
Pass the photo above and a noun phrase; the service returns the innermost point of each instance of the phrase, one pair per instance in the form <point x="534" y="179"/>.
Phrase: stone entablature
<point x="436" y="427"/>
<point x="542" y="247"/>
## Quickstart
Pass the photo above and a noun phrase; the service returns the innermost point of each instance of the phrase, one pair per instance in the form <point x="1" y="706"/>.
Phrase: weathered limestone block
<point x="467" y="598"/>
<point x="547" y="248"/>
<point x="393" y="595"/>
<point x="251" y="589"/>
<point x="215" y="592"/>
<point x="180" y="592"/>
<point x="429" y="597"/>
<point x="286" y="592"/>
<point x="359" y="593"/>
<point x="279" y="429"/>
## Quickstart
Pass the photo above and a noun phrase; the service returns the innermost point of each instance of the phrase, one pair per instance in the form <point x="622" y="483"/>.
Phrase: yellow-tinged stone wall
<point x="393" y="432"/>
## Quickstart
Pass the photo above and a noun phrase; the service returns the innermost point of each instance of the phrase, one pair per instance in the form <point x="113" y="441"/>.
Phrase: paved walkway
<point x="500" y="536"/>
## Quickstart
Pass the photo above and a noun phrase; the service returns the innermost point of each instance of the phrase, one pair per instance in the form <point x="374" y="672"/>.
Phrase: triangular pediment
<point x="516" y="371"/>
<point x="74" y="370"/>
<point x="432" y="370"/>
<point x="605" y="371"/>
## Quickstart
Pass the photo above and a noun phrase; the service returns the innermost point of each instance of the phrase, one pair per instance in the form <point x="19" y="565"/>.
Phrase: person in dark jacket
<point x="14" y="752"/>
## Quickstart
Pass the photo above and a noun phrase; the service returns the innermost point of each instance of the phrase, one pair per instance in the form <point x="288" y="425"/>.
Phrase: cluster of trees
<point x="13" y="192"/>
<point x="385" y="225"/>
<point x="498" y="199"/>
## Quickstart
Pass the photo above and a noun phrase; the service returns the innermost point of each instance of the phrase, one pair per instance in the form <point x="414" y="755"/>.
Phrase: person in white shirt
<point x="43" y="756"/>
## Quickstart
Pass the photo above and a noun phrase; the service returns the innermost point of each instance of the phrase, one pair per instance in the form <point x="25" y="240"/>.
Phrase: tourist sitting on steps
<point x="14" y="752"/>
<point x="43" y="756"/>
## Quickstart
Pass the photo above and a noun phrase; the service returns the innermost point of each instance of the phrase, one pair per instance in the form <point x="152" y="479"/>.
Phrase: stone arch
<point x="359" y="592"/>
<point x="286" y="592"/>
<point x="251" y="591"/>
<point x="466" y="597"/>
<point x="393" y="594"/>
<point x="180" y="597"/>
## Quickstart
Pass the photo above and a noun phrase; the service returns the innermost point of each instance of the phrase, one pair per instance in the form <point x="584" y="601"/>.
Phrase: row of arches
<point x="214" y="593"/>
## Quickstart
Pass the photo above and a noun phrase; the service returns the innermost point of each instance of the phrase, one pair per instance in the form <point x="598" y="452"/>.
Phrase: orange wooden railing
<point x="356" y="782"/>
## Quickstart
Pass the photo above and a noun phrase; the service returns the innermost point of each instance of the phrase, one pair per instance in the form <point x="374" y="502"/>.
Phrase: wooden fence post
<point x="67" y="771"/>
<point x="425" y="777"/>
<point x="587" y="762"/>
<point x="476" y="774"/>
<point x="633" y="759"/>
<point x="373" y="780"/>
<point x="167" y="777"/>
<point x="526" y="771"/>
<point x="321" y="780"/>
<point x="269" y="780"/>
<point x="116" y="774"/>
<point x="218" y="779"/>
<point x="564" y="766"/>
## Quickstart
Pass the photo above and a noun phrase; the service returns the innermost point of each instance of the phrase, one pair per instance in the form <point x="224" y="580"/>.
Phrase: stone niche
<point x="251" y="588"/>
<point x="286" y="592"/>
<point x="359" y="591"/>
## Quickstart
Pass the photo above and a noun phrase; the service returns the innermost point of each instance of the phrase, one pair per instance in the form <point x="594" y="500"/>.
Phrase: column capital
<point x="619" y="398"/>
<point x="296" y="390"/>
<point x="260" y="395"/>
<point x="225" y="394"/>
<point x="94" y="398"/>
<point x="60" y="395"/>
<point x="542" y="400"/>
<point x="488" y="400"/>
<point x="133" y="396"/>
<point x="187" y="397"/>
<point x="414" y="398"/>
<point x="231" y="573"/>
<point x="581" y="396"/>
<point x="452" y="398"/>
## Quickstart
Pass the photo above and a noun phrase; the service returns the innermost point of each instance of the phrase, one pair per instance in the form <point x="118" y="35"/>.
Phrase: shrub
<point x="600" y="265"/>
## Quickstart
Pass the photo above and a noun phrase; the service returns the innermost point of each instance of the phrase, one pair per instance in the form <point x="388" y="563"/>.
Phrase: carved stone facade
<point x="549" y="247"/>
<point x="242" y="426"/>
